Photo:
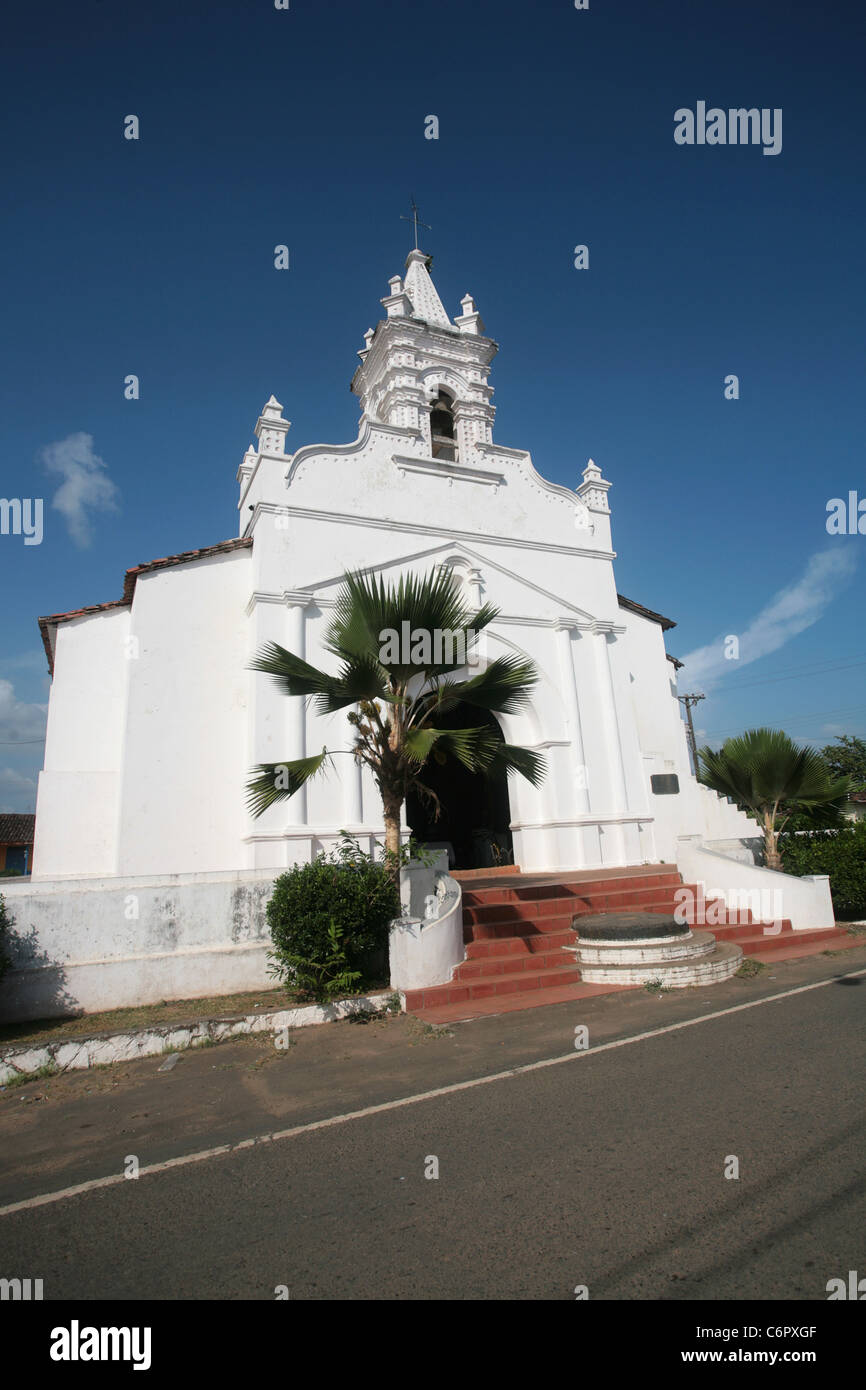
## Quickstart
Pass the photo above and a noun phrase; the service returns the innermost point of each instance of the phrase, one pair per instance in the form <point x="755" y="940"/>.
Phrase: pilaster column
<point x="572" y="714"/>
<point x="296" y="719"/>
<point x="610" y="720"/>
<point x="473" y="583"/>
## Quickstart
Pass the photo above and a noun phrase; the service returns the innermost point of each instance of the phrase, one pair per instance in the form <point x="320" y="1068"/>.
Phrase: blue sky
<point x="306" y="127"/>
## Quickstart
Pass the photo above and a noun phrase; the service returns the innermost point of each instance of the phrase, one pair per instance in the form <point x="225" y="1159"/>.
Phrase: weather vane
<point x="415" y="219"/>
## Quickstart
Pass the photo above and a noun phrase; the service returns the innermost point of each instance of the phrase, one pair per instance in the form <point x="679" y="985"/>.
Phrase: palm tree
<point x="766" y="773"/>
<point x="397" y="695"/>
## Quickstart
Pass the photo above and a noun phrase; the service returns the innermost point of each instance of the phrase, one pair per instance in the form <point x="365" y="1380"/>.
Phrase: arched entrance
<point x="474" y="812"/>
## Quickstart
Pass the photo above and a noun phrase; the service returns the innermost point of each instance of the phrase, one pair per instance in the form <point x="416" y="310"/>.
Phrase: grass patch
<point x="750" y="968"/>
<point x="174" y="1011"/>
<point x="50" y="1069"/>
<point x="167" y="1013"/>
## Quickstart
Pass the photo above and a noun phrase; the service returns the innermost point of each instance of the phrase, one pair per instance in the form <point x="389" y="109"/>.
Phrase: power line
<point x="792" y="718"/>
<point x="795" y="674"/>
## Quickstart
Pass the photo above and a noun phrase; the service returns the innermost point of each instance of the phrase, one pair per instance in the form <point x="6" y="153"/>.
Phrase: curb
<point x="72" y="1054"/>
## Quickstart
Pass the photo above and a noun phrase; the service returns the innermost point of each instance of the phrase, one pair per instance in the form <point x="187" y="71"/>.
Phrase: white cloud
<point x="86" y="488"/>
<point x="789" y="612"/>
<point x="19" y="721"/>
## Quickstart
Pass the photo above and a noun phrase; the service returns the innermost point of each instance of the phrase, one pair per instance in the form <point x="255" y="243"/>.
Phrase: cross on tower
<point x="415" y="218"/>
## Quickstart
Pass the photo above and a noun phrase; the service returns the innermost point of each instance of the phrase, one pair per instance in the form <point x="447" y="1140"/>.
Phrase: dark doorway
<point x="474" y="812"/>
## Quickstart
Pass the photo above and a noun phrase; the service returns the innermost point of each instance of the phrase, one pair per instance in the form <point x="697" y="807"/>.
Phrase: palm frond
<point x="419" y="605"/>
<point x="278" y="781"/>
<point x="512" y="758"/>
<point x="419" y="744"/>
<point x="505" y="685"/>
<point x="362" y="678"/>
<point x="294" y="676"/>
<point x="764" y="768"/>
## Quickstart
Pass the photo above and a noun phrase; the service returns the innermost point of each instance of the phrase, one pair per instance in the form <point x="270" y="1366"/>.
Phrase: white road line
<point x="575" y="1056"/>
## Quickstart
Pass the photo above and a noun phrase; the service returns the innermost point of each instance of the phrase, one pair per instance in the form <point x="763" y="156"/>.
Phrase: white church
<point x="156" y="720"/>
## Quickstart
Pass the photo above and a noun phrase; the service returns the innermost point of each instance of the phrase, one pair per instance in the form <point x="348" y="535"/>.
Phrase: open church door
<point x="474" y="814"/>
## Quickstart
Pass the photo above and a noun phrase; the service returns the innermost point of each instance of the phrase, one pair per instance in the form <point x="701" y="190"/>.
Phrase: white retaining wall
<point x="805" y="902"/>
<point x="113" y="943"/>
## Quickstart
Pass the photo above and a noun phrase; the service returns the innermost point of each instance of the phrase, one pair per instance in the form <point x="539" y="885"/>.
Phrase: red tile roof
<point x="48" y="624"/>
<point x="17" y="829"/>
<point x="633" y="607"/>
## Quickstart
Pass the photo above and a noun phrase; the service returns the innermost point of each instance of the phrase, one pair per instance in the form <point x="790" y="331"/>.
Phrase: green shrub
<point x="839" y="853"/>
<point x="321" y="980"/>
<point x="329" y="923"/>
<point x="5" y="927"/>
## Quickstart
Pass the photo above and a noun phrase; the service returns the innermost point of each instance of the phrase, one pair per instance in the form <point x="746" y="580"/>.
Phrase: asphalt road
<point x="605" y="1170"/>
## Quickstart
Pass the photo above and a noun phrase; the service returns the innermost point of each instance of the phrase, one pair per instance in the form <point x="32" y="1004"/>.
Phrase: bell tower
<point x="425" y="373"/>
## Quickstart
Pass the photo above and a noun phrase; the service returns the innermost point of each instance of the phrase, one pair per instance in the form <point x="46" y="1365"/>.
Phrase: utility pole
<point x="688" y="701"/>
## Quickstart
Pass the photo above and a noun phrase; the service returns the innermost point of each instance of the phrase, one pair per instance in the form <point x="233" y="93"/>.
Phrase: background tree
<point x="770" y="777"/>
<point x="396" y="697"/>
<point x="847" y="758"/>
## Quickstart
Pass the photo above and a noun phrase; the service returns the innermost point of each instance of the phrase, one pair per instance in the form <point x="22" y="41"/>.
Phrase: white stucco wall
<point x="116" y="942"/>
<point x="150" y="746"/>
<point x="78" y="795"/>
<point x="185" y="753"/>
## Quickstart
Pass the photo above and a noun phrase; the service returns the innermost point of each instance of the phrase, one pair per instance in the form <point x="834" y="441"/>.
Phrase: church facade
<point x="155" y="719"/>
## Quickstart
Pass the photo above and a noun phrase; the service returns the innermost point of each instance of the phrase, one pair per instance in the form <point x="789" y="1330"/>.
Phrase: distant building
<point x="16" y="842"/>
<point x="855" y="806"/>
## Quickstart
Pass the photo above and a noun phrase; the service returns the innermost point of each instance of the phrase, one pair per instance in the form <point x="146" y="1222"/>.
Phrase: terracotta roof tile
<point x="17" y="829"/>
<point x="633" y="607"/>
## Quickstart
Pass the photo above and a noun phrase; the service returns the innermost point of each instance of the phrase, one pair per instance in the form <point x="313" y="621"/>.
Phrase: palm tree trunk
<point x="392" y="805"/>
<point x="772" y="857"/>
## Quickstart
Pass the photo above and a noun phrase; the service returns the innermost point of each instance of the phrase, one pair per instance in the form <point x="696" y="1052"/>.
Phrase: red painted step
<point x="458" y="992"/>
<point x="755" y="938"/>
<point x="519" y="945"/>
<point x="517" y="926"/>
<point x="511" y="1003"/>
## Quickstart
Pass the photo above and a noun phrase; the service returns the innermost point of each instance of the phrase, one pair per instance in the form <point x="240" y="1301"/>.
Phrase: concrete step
<point x="774" y="942"/>
<point x="719" y="964"/>
<point x="511" y="964"/>
<point x="487" y="986"/>
<point x="566" y="888"/>
<point x="529" y="945"/>
<point x="633" y="951"/>
<point x="512" y="1003"/>
<point x="558" y="904"/>
<point x="796" y="949"/>
<point x="531" y="926"/>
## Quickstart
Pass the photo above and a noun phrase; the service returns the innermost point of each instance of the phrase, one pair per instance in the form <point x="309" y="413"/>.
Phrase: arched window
<point x="442" y="428"/>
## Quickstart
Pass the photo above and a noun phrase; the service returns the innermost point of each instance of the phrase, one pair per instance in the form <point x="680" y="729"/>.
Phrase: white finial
<point x="271" y="428"/>
<point x="470" y="320"/>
